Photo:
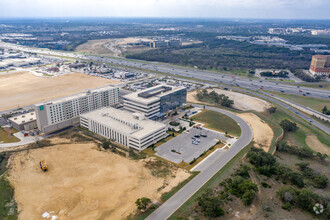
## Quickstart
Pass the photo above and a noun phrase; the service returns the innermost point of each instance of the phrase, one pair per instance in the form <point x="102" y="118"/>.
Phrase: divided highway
<point x="179" y="198"/>
<point x="185" y="72"/>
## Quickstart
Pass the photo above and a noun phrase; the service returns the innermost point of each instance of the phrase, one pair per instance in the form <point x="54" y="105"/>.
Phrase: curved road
<point x="179" y="198"/>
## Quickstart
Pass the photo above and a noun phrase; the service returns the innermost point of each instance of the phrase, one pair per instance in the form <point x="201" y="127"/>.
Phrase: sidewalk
<point x="24" y="140"/>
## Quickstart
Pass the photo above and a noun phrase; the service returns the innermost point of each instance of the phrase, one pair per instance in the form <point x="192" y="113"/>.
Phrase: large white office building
<point x="155" y="100"/>
<point x="132" y="130"/>
<point x="64" y="112"/>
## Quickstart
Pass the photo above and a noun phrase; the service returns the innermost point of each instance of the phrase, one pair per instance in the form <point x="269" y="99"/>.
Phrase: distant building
<point x="129" y="129"/>
<point x="64" y="112"/>
<point x="174" y="43"/>
<point x="155" y="100"/>
<point x="158" y="43"/>
<point x="321" y="32"/>
<point x="26" y="121"/>
<point x="320" y="65"/>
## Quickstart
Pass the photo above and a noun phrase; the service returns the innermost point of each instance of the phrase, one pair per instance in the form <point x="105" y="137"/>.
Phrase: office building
<point x="25" y="121"/>
<point x="132" y="130"/>
<point x="320" y="65"/>
<point x="64" y="112"/>
<point x="155" y="100"/>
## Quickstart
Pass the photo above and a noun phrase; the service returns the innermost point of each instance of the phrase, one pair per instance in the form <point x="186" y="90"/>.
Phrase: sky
<point x="284" y="9"/>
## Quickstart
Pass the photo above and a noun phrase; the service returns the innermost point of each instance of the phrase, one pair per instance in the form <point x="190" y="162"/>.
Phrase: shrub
<point x="142" y="203"/>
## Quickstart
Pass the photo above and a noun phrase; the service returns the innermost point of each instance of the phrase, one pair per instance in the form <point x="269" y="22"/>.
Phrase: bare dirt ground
<point x="262" y="133"/>
<point x="113" y="47"/>
<point x="316" y="145"/>
<point x="241" y="101"/>
<point x="24" y="88"/>
<point x="82" y="182"/>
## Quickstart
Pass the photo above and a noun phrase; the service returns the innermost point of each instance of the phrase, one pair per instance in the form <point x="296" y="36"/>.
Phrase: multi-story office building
<point x="132" y="130"/>
<point x="60" y="113"/>
<point x="155" y="100"/>
<point x="320" y="65"/>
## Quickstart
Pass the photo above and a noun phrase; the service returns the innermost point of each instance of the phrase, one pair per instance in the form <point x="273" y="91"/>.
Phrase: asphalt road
<point x="179" y="198"/>
<point x="197" y="74"/>
<point x="187" y="72"/>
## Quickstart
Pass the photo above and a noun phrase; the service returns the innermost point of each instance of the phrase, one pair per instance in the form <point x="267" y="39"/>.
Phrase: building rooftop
<point x="321" y="56"/>
<point x="152" y="94"/>
<point x="136" y="125"/>
<point x="25" y="118"/>
<point x="75" y="96"/>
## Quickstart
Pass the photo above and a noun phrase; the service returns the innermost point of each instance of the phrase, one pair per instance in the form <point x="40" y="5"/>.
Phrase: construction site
<point x="70" y="176"/>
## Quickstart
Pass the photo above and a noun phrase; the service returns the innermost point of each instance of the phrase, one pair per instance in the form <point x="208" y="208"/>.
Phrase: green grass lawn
<point x="217" y="121"/>
<point x="6" y="137"/>
<point x="313" y="103"/>
<point x="298" y="138"/>
<point x="325" y="86"/>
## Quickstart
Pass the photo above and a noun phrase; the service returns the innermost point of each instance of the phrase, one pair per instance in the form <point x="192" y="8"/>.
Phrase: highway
<point x="179" y="198"/>
<point x="243" y="82"/>
<point x="196" y="74"/>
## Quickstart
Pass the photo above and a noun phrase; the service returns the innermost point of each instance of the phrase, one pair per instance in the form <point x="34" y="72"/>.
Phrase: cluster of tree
<point x="281" y="74"/>
<point x="304" y="199"/>
<point x="238" y="185"/>
<point x="242" y="188"/>
<point x="287" y="125"/>
<point x="303" y="76"/>
<point x="319" y="180"/>
<point x="222" y="54"/>
<point x="210" y="204"/>
<point x="214" y="98"/>
<point x="300" y="152"/>
<point x="325" y="110"/>
<point x="267" y="165"/>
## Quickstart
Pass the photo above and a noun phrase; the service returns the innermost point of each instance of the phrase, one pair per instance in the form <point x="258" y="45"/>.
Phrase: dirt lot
<point x="262" y="133"/>
<point x="83" y="182"/>
<point x="241" y="101"/>
<point x="24" y="88"/>
<point x="113" y="47"/>
<point x="316" y="145"/>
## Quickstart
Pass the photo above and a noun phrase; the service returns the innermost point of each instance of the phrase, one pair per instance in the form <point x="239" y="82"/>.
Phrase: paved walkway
<point x="24" y="140"/>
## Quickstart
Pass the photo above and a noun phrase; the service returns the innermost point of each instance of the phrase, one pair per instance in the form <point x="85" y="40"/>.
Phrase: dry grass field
<point x="241" y="101"/>
<point x="24" y="88"/>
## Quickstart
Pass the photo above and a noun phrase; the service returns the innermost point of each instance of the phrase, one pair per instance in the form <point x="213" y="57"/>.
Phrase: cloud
<point x="166" y="8"/>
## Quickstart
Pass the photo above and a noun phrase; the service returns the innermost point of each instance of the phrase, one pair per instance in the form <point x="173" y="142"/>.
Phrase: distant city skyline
<point x="285" y="9"/>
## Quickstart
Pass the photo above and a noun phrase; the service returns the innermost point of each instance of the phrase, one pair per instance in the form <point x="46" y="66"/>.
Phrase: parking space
<point x="189" y="145"/>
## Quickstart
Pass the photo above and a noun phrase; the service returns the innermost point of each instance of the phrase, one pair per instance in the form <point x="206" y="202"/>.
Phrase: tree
<point x="248" y="197"/>
<point x="272" y="110"/>
<point x="324" y="110"/>
<point x="288" y="125"/>
<point x="210" y="204"/>
<point x="142" y="203"/>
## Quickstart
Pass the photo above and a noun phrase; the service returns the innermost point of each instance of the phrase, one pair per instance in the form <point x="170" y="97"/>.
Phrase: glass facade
<point x="173" y="100"/>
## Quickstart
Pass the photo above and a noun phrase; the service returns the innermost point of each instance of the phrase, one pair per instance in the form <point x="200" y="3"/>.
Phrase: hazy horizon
<point x="231" y="9"/>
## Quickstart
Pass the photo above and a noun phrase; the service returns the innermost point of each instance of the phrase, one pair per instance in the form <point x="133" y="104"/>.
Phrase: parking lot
<point x="185" y="147"/>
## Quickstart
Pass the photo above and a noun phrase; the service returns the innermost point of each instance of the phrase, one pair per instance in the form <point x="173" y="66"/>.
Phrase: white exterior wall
<point x="56" y="112"/>
<point x="125" y="139"/>
<point x="148" y="111"/>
